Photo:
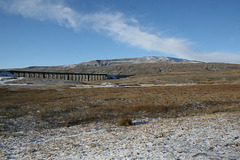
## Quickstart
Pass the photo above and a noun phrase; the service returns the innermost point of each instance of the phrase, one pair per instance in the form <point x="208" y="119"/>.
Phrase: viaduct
<point x="58" y="75"/>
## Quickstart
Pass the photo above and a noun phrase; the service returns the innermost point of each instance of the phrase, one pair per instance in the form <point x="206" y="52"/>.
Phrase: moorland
<point x="167" y="95"/>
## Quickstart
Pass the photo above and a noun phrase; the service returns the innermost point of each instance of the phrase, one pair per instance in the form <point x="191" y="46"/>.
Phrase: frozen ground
<point x="23" y="81"/>
<point x="103" y="85"/>
<point x="6" y="80"/>
<point x="215" y="136"/>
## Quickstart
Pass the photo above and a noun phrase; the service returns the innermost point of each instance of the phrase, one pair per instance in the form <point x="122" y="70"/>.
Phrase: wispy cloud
<point x="43" y="10"/>
<point x="116" y="25"/>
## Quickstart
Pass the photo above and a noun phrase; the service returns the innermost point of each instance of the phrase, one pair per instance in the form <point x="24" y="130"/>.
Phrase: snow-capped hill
<point x="150" y="59"/>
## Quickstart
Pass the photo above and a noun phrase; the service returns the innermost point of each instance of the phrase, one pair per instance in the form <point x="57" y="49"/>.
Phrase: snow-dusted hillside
<point x="150" y="59"/>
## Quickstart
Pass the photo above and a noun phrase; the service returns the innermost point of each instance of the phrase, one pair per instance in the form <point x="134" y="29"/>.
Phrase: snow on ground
<point x="214" y="136"/>
<point x="109" y="85"/>
<point x="103" y="85"/>
<point x="5" y="80"/>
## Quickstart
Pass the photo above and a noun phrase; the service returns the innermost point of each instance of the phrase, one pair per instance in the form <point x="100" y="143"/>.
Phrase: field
<point x="181" y="115"/>
<point x="59" y="106"/>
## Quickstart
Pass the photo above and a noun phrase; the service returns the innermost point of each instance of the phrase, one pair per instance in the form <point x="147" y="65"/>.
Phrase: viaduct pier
<point x="58" y="75"/>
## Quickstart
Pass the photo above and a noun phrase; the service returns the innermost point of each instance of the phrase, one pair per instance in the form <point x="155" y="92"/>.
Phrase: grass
<point x="211" y="77"/>
<point x="67" y="107"/>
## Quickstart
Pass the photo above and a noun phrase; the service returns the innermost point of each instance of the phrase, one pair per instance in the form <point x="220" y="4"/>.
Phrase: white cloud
<point x="43" y="10"/>
<point x="116" y="25"/>
<point x="217" y="57"/>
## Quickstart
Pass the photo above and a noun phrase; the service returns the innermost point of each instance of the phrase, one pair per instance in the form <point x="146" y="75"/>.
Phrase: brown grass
<point x="211" y="77"/>
<point x="69" y="107"/>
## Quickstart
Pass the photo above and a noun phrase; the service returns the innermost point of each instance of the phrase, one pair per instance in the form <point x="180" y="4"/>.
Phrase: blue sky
<point x="59" y="32"/>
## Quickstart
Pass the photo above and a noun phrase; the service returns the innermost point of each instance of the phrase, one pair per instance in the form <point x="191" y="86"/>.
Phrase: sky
<point x="61" y="32"/>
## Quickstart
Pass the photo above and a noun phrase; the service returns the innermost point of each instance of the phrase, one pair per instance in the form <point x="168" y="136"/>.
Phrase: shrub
<point x="124" y="121"/>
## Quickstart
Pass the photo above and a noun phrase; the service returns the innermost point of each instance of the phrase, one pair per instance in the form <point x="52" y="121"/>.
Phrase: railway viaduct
<point x="58" y="75"/>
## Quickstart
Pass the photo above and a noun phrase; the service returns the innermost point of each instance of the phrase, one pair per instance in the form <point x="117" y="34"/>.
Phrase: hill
<point x="136" y="66"/>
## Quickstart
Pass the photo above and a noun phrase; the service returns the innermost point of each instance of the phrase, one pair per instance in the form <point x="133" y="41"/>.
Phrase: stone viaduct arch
<point x="59" y="75"/>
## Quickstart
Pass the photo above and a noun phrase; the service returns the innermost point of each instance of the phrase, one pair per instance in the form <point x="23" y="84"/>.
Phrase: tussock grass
<point x="124" y="121"/>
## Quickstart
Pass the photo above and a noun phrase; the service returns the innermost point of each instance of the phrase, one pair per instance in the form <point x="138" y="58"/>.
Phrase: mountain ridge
<point x="136" y="60"/>
<point x="136" y="66"/>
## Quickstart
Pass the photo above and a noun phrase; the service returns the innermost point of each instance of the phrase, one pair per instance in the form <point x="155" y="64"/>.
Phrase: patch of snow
<point x="103" y="85"/>
<point x="154" y="85"/>
<point x="69" y="66"/>
<point x="4" y="80"/>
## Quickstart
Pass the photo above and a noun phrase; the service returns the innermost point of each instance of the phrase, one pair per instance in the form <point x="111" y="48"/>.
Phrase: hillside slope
<point x="136" y="66"/>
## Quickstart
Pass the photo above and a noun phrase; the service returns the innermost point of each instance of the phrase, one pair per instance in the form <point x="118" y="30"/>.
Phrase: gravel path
<point x="214" y="136"/>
